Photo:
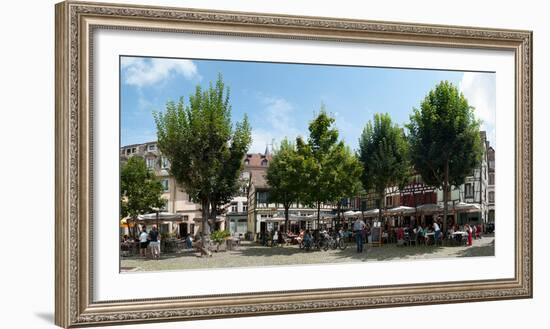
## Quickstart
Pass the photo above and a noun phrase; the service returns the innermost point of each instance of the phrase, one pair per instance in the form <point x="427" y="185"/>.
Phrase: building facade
<point x="491" y="185"/>
<point x="474" y="190"/>
<point x="265" y="215"/>
<point x="177" y="200"/>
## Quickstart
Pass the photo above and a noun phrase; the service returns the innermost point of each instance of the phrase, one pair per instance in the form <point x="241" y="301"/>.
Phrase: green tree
<point x="140" y="190"/>
<point x="445" y="141"/>
<point x="329" y="170"/>
<point x="384" y="152"/>
<point x="348" y="171"/>
<point x="204" y="148"/>
<point x="283" y="176"/>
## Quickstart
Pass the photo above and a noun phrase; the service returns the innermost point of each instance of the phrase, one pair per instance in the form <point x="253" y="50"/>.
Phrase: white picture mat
<point x="109" y="284"/>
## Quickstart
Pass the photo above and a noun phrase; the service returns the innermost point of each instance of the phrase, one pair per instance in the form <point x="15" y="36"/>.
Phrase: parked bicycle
<point x="338" y="241"/>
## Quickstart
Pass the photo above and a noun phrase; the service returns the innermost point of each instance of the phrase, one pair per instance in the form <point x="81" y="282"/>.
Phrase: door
<point x="183" y="230"/>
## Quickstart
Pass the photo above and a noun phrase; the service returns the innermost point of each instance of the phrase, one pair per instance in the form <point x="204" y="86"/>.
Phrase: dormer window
<point x="152" y="147"/>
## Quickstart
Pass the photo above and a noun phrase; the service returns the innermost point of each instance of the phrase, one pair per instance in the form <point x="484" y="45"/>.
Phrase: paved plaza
<point x="252" y="254"/>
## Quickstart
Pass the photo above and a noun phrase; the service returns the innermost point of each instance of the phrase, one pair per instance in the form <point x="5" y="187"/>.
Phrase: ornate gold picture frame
<point x="76" y="22"/>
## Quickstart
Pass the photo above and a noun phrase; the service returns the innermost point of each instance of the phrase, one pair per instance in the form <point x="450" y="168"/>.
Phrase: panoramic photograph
<point x="227" y="164"/>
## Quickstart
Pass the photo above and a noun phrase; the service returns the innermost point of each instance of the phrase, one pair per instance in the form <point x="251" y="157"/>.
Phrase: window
<point x="234" y="208"/>
<point x="165" y="164"/>
<point x="151" y="163"/>
<point x="246" y="162"/>
<point x="152" y="147"/>
<point x="491" y="179"/>
<point x="189" y="198"/>
<point x="468" y="191"/>
<point x="165" y="185"/>
<point x="245" y="208"/>
<point x="262" y="197"/>
<point x="264" y="163"/>
<point x="133" y="150"/>
<point x="491" y="196"/>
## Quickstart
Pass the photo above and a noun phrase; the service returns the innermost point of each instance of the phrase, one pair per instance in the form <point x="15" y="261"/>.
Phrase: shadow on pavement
<point x="486" y="250"/>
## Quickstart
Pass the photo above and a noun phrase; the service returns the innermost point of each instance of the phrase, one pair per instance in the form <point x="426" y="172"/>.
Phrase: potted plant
<point x="217" y="237"/>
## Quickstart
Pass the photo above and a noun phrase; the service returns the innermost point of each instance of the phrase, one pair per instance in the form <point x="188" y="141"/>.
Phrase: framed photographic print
<point x="249" y="164"/>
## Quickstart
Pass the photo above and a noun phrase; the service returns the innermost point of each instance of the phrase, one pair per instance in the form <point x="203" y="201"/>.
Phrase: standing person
<point x="469" y="231"/>
<point x="188" y="242"/>
<point x="437" y="232"/>
<point x="474" y="229"/>
<point x="358" y="227"/>
<point x="154" y="239"/>
<point x="143" y="241"/>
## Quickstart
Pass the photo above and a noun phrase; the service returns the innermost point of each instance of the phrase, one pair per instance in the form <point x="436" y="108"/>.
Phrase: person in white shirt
<point x="143" y="242"/>
<point x="437" y="232"/>
<point x="358" y="227"/>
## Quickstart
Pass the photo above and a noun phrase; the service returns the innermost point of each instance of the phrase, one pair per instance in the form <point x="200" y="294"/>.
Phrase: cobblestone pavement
<point x="255" y="255"/>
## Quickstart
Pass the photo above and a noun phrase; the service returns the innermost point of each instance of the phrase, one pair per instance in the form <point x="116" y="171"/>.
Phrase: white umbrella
<point x="275" y="219"/>
<point x="298" y="218"/>
<point x="401" y="210"/>
<point x="429" y="207"/>
<point x="161" y="216"/>
<point x="350" y="213"/>
<point x="462" y="206"/>
<point x="372" y="212"/>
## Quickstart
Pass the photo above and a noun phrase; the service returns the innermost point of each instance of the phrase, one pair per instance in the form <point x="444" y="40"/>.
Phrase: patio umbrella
<point x="165" y="216"/>
<point x="401" y="210"/>
<point x="467" y="207"/>
<point x="350" y="213"/>
<point x="372" y="213"/>
<point x="429" y="207"/>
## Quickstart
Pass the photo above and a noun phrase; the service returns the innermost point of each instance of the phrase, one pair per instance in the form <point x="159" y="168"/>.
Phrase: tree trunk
<point x="318" y="213"/>
<point x="380" y="201"/>
<point x="213" y="214"/>
<point x="445" y="197"/>
<point x="287" y="222"/>
<point x="205" y="215"/>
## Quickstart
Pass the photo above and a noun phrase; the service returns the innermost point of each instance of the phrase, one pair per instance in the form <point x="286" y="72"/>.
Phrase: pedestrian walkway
<point x="255" y="255"/>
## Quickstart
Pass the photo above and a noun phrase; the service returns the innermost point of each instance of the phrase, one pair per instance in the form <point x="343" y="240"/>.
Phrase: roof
<point x="258" y="178"/>
<point x="255" y="160"/>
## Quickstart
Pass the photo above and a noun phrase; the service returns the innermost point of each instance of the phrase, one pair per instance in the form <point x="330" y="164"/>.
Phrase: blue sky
<point x="281" y="99"/>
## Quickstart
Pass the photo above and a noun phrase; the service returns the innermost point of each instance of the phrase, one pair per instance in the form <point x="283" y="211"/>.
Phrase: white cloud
<point x="480" y="91"/>
<point x="275" y="123"/>
<point x="141" y="72"/>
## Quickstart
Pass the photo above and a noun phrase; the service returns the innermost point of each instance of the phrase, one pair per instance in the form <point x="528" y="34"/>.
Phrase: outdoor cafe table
<point x="460" y="234"/>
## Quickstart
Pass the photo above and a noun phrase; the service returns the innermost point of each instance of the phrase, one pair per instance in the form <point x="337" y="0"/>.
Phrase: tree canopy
<point x="330" y="170"/>
<point x="204" y="148"/>
<point x="445" y="141"/>
<point x="384" y="153"/>
<point x="283" y="176"/>
<point x="140" y="190"/>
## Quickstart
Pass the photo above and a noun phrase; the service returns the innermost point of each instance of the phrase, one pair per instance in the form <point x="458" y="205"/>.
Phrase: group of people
<point x="419" y="233"/>
<point x="149" y="240"/>
<point x="474" y="231"/>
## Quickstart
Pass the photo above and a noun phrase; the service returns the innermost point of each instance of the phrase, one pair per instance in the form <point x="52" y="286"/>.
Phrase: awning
<point x="466" y="207"/>
<point x="400" y="210"/>
<point x="371" y="212"/>
<point x="429" y="207"/>
<point x="164" y="216"/>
